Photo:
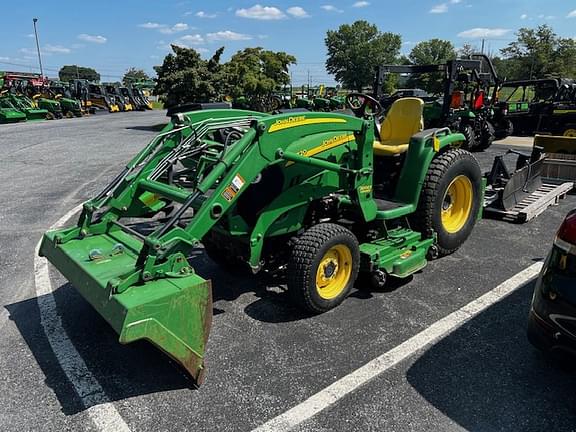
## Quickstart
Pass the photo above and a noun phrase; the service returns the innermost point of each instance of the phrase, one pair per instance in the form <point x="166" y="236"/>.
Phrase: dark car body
<point x="552" y="318"/>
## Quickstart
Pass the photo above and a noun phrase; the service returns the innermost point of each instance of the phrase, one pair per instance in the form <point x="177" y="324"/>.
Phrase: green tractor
<point x="468" y="104"/>
<point x="60" y="92"/>
<point x="41" y="100"/>
<point x="327" y="200"/>
<point x="27" y="106"/>
<point x="8" y="113"/>
<point x="46" y="102"/>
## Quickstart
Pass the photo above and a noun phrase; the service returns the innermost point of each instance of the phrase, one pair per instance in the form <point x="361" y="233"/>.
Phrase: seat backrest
<point x="403" y="120"/>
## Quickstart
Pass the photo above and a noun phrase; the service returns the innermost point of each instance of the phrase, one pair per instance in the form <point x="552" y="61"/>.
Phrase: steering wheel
<point x="359" y="102"/>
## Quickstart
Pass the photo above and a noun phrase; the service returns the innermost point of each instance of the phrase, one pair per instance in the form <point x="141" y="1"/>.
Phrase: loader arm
<point x="128" y="254"/>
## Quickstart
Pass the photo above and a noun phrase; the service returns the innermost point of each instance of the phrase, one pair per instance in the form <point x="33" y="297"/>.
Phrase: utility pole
<point x="482" y="51"/>
<point x="35" y="20"/>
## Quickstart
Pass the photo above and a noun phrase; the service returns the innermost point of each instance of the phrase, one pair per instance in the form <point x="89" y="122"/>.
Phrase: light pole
<point x="34" y="20"/>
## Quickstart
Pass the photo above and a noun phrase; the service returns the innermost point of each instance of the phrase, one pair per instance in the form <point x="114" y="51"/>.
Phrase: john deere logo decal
<point x="291" y="122"/>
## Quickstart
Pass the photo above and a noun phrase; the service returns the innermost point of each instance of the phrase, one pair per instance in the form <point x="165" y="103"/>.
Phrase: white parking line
<point x="100" y="410"/>
<point x="336" y="391"/>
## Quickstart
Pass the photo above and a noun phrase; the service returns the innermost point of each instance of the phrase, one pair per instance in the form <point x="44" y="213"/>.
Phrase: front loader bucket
<point x="174" y="313"/>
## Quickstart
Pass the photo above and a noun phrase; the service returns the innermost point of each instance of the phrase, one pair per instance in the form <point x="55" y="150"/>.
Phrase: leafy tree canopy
<point x="71" y="72"/>
<point x="133" y="75"/>
<point x="354" y="52"/>
<point x="433" y="51"/>
<point x="256" y="72"/>
<point x="185" y="77"/>
<point x="538" y="53"/>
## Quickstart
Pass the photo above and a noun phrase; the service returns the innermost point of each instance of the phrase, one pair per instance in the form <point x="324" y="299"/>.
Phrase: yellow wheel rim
<point x="334" y="272"/>
<point x="570" y="133"/>
<point x="457" y="204"/>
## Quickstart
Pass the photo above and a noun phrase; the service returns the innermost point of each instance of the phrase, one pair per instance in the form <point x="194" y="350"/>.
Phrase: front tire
<point x="323" y="267"/>
<point x="450" y="200"/>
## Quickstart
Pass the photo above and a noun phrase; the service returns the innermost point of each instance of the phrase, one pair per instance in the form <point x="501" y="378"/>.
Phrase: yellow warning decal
<point x="365" y="189"/>
<point x="292" y="122"/>
<point x="232" y="190"/>
<point x="328" y="144"/>
<point x="564" y="111"/>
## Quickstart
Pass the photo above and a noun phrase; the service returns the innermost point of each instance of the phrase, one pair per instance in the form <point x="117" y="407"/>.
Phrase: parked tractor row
<point x="468" y="103"/>
<point x="31" y="97"/>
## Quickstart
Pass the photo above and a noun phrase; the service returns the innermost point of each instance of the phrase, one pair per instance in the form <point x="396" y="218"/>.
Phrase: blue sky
<point x="112" y="36"/>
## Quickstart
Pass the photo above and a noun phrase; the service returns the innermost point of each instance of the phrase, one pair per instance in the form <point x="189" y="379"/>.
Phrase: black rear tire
<point x="469" y="135"/>
<point x="487" y="137"/>
<point x="446" y="169"/>
<point x="309" y="254"/>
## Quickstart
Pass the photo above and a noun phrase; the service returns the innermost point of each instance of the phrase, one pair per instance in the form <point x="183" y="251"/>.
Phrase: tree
<point x="185" y="77"/>
<point x="71" y="72"/>
<point x="467" y="50"/>
<point x="354" y="52"/>
<point x="255" y="72"/>
<point x="133" y="75"/>
<point x="540" y="53"/>
<point x="503" y="68"/>
<point x="433" y="51"/>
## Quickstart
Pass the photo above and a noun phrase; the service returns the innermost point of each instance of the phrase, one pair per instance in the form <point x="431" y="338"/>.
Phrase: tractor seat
<point x="404" y="119"/>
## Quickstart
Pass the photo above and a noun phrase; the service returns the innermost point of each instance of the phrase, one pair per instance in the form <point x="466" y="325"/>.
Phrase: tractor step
<point x="532" y="205"/>
<point x="401" y="254"/>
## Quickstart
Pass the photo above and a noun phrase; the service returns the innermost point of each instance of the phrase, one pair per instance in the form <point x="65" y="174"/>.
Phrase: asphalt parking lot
<point x="265" y="356"/>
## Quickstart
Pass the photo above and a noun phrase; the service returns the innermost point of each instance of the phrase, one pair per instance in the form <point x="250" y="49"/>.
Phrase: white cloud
<point x="297" y="12"/>
<point x="227" y="36"/>
<point x="176" y="28"/>
<point x="92" y="38"/>
<point x="47" y="50"/>
<point x="260" y="12"/>
<point x="361" y="4"/>
<point x="164" y="28"/>
<point x="331" y="8"/>
<point x="192" y="39"/>
<point x="202" y="14"/>
<point x="4" y="58"/>
<point x="523" y="16"/>
<point x="443" y="7"/>
<point x="30" y="35"/>
<point x="479" y="32"/>
<point x="151" y="25"/>
<point x="438" y="9"/>
<point x="572" y="14"/>
<point x="58" y="49"/>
